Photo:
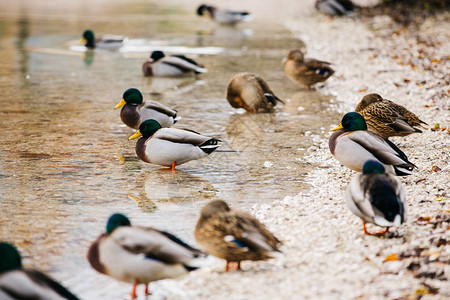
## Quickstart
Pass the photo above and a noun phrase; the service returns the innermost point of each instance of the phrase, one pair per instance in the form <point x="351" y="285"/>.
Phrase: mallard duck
<point x="135" y="110"/>
<point x="352" y="144"/>
<point x="139" y="254"/>
<point x="335" y="7"/>
<point x="233" y="235"/>
<point x="377" y="197"/>
<point x="171" y="146"/>
<point x="160" y="64"/>
<point x="19" y="283"/>
<point x="306" y="71"/>
<point x="106" y="42"/>
<point x="223" y="16"/>
<point x="252" y="93"/>
<point x="387" y="118"/>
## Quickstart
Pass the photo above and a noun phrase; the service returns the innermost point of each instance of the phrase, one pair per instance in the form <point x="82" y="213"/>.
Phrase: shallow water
<point x="60" y="175"/>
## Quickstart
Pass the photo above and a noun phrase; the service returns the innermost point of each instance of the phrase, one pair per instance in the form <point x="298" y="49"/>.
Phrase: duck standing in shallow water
<point x="386" y="117"/>
<point x="306" y="71"/>
<point x="171" y="146"/>
<point x="223" y="16"/>
<point x="134" y="110"/>
<point x="352" y="144"/>
<point x="106" y="42"/>
<point x="252" y="93"/>
<point x="163" y="65"/>
<point x="233" y="235"/>
<point x="139" y="254"/>
<point x="377" y="197"/>
<point x="19" y="283"/>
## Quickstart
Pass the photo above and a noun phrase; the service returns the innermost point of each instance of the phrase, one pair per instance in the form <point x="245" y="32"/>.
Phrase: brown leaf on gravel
<point x="423" y="220"/>
<point x="391" y="257"/>
<point x="435" y="169"/>
<point x="420" y="180"/>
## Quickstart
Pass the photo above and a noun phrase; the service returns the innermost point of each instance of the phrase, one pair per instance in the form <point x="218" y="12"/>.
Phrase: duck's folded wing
<point x="45" y="281"/>
<point x="357" y="188"/>
<point x="152" y="244"/>
<point x="182" y="136"/>
<point x="182" y="64"/>
<point x="149" y="104"/>
<point x="111" y="38"/>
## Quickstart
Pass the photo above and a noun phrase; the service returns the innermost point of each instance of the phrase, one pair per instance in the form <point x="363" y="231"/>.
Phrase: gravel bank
<point x="326" y="254"/>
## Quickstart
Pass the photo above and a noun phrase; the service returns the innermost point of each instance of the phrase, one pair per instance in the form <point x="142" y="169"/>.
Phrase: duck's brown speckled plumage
<point x="306" y="71"/>
<point x="251" y="92"/>
<point x="219" y="225"/>
<point x="386" y="117"/>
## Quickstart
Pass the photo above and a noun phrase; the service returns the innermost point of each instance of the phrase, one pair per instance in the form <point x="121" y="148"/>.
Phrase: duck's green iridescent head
<point x="373" y="166"/>
<point x="352" y="121"/>
<point x="132" y="97"/>
<point x="88" y="35"/>
<point x="116" y="220"/>
<point x="156" y="55"/>
<point x="9" y="258"/>
<point x="146" y="129"/>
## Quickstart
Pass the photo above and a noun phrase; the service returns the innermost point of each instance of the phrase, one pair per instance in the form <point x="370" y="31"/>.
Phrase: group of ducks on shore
<point x="140" y="255"/>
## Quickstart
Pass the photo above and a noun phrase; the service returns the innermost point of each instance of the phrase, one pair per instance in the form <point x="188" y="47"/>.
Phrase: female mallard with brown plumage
<point x="135" y="110"/>
<point x="139" y="254"/>
<point x="386" y="117"/>
<point x="306" y="71"/>
<point x="171" y="146"/>
<point x="233" y="235"/>
<point x="252" y="93"/>
<point x="163" y="65"/>
<point x="19" y="283"/>
<point x="377" y="197"/>
<point x="352" y="144"/>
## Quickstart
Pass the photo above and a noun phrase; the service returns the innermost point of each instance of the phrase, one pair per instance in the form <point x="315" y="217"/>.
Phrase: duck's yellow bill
<point x="337" y="128"/>
<point x="83" y="41"/>
<point x="135" y="135"/>
<point x="121" y="103"/>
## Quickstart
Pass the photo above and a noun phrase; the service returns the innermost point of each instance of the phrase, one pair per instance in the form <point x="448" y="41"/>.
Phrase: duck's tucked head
<point x="116" y="220"/>
<point x="201" y="9"/>
<point x="132" y="97"/>
<point x="352" y="121"/>
<point x="146" y="129"/>
<point x="373" y="167"/>
<point x="9" y="258"/>
<point x="214" y="207"/>
<point x="156" y="55"/>
<point x="295" y="55"/>
<point x="371" y="98"/>
<point x="88" y="35"/>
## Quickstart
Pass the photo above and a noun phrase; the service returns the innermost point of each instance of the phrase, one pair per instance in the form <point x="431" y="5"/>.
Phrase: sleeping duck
<point x="352" y="144"/>
<point x="135" y="110"/>
<point x="233" y="235"/>
<point x="306" y="71"/>
<point x="171" y="146"/>
<point x="335" y="7"/>
<point x="252" y="93"/>
<point x="19" y="283"/>
<point x="138" y="254"/>
<point x="386" y="117"/>
<point x="105" y="42"/>
<point x="163" y="65"/>
<point x="223" y="16"/>
<point x="377" y="197"/>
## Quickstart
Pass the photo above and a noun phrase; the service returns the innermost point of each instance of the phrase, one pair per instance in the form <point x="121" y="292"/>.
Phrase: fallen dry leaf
<point x="420" y="180"/>
<point x="435" y="169"/>
<point x="391" y="257"/>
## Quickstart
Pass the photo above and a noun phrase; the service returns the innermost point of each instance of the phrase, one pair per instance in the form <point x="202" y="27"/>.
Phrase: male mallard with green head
<point x="306" y="71"/>
<point x="19" y="283"/>
<point x="106" y="42"/>
<point x="135" y="110"/>
<point x="164" y="65"/>
<point x="233" y="235"/>
<point x="223" y="16"/>
<point x="386" y="117"/>
<point x="252" y="93"/>
<point x="377" y="197"/>
<point x="171" y="146"/>
<point x="138" y="254"/>
<point x="352" y="144"/>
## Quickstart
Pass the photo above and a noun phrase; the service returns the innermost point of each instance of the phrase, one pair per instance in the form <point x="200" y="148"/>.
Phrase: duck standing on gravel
<point x="138" y="254"/>
<point x="223" y="16"/>
<point x="170" y="147"/>
<point x="233" y="235"/>
<point x="377" y="197"/>
<point x="335" y="7"/>
<point x="352" y="144"/>
<point x="19" y="283"/>
<point x="386" y="117"/>
<point x="252" y="93"/>
<point x="134" y="110"/>
<point x="109" y="42"/>
<point x="307" y="71"/>
<point x="163" y="65"/>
